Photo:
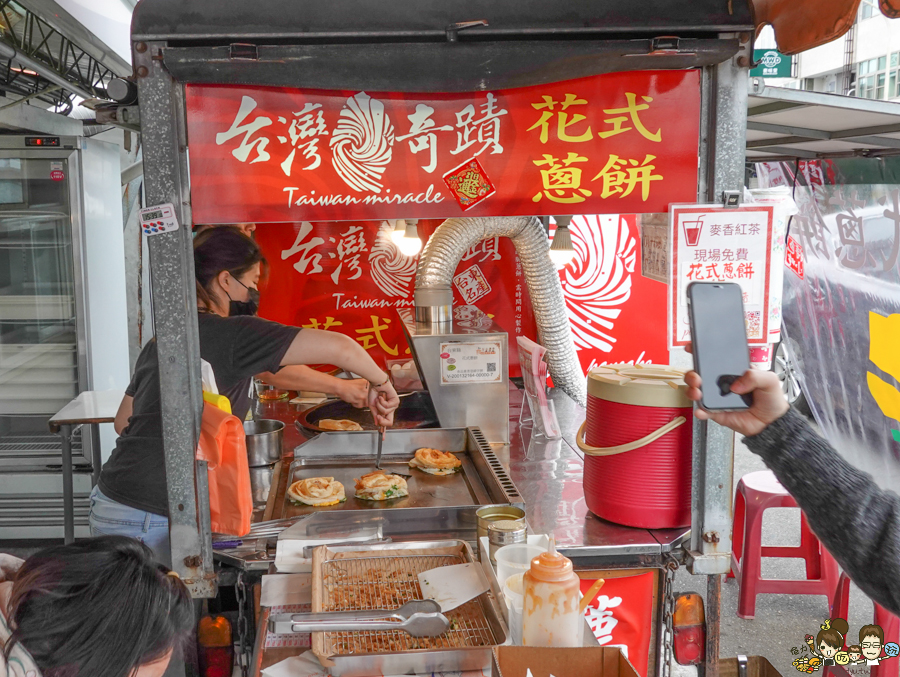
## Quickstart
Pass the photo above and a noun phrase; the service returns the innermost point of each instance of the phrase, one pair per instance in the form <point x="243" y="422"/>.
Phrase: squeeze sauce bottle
<point x="551" y="616"/>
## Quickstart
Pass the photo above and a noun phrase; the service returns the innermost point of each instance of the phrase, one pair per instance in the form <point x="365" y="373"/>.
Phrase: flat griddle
<point x="436" y="505"/>
<point x="432" y="491"/>
<point x="415" y="411"/>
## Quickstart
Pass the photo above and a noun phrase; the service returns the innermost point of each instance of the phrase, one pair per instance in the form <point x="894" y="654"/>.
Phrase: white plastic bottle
<point x="551" y="616"/>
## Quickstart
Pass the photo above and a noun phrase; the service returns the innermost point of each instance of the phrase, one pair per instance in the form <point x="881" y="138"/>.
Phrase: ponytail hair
<point x="218" y="249"/>
<point x="834" y="636"/>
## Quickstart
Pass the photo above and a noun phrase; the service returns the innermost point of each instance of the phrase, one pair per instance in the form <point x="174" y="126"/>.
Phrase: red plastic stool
<point x="756" y="492"/>
<point x="888" y="622"/>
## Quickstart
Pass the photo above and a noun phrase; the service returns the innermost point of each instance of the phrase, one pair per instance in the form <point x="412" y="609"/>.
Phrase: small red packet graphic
<point x="793" y="256"/>
<point x="469" y="183"/>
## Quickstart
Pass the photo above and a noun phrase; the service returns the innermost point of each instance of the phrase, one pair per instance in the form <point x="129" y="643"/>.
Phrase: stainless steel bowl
<point x="264" y="439"/>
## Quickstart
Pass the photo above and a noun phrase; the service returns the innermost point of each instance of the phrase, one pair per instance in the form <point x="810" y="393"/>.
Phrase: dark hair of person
<point x="871" y="631"/>
<point x="834" y="636"/>
<point x="218" y="249"/>
<point x="856" y="648"/>
<point x="99" y="607"/>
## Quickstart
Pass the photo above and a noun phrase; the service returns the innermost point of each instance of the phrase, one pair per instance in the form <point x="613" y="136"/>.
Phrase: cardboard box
<point x="757" y="666"/>
<point x="595" y="661"/>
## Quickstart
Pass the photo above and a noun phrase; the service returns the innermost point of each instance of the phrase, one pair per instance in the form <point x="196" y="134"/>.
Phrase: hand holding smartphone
<point x="719" y="338"/>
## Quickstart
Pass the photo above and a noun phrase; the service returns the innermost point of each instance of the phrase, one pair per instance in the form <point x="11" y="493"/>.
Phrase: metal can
<point x="504" y="532"/>
<point x="494" y="513"/>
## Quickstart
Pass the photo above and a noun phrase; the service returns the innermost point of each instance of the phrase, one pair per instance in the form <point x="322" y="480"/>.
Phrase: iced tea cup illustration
<point x="692" y="231"/>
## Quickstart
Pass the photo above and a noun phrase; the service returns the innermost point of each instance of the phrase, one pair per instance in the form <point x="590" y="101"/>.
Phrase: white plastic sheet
<point x="841" y="321"/>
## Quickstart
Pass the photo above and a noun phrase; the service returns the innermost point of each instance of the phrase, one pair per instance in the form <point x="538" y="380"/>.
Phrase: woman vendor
<point x="131" y="498"/>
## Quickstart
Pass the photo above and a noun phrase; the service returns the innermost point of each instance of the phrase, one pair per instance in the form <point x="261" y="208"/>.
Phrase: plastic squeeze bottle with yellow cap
<point x="551" y="616"/>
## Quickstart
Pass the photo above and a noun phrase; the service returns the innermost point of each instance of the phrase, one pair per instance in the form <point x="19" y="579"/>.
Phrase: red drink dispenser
<point x="637" y="441"/>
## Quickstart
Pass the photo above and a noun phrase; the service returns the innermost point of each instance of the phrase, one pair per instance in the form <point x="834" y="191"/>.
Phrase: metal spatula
<point x="454" y="585"/>
<point x="419" y="618"/>
<point x="381" y="434"/>
<point x="378" y="450"/>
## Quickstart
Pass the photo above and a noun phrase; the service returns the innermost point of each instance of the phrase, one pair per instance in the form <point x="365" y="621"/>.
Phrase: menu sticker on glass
<point x="711" y="243"/>
<point x="57" y="171"/>
<point x="476" y="362"/>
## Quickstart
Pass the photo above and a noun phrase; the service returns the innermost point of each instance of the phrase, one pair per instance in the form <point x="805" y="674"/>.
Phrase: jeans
<point x="109" y="518"/>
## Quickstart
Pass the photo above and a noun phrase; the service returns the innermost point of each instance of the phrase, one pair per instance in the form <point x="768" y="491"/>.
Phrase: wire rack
<point x="37" y="445"/>
<point x="361" y="584"/>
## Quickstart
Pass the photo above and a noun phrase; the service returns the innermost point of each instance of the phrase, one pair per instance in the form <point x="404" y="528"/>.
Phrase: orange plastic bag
<point x="224" y="447"/>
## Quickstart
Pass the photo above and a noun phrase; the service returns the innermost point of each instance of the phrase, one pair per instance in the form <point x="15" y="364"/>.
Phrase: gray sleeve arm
<point x="858" y="522"/>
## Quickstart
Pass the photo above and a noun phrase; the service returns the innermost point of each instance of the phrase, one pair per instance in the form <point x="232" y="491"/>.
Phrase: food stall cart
<point x="187" y="52"/>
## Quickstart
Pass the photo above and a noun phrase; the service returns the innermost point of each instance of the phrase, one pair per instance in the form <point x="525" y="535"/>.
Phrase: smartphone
<point x="719" y="338"/>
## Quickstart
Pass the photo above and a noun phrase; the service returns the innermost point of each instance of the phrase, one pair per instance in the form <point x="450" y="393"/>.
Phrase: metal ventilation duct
<point x="445" y="249"/>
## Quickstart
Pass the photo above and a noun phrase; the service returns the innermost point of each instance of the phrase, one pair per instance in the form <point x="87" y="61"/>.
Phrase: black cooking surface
<point x="415" y="411"/>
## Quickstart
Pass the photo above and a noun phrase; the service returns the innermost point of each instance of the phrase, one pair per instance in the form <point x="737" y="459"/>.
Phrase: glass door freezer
<point x="63" y="324"/>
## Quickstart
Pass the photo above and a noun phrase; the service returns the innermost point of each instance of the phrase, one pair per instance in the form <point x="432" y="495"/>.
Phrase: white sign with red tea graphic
<point x="793" y="256"/>
<point x="711" y="243"/>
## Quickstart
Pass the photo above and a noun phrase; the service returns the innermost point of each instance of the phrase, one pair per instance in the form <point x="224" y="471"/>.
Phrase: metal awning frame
<point x="46" y="54"/>
<point x="781" y="99"/>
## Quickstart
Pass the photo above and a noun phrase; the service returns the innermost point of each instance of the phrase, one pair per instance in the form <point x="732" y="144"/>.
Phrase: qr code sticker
<point x="492" y="366"/>
<point x="754" y="324"/>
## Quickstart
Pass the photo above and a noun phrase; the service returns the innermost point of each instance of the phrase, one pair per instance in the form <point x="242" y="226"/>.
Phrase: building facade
<point x="865" y="62"/>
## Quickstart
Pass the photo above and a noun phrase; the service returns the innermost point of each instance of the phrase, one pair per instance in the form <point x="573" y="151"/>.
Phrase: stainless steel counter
<point x="548" y="473"/>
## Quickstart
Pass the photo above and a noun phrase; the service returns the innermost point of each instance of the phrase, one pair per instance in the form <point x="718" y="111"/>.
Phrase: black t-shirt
<point x="238" y="348"/>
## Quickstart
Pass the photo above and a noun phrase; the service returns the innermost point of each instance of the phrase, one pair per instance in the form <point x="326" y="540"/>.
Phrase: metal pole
<point x="175" y="317"/>
<point x="722" y="157"/>
<point x="65" y="432"/>
<point x="721" y="168"/>
<point x="713" y="623"/>
<point x="10" y="52"/>
<point x="96" y="458"/>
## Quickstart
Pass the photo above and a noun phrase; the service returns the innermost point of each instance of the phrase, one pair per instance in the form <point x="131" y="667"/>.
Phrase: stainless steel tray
<point x="351" y="578"/>
<point x="436" y="506"/>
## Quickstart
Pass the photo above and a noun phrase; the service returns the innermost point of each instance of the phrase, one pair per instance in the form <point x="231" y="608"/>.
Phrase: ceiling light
<point x="561" y="249"/>
<point x="410" y="244"/>
<point x="399" y="231"/>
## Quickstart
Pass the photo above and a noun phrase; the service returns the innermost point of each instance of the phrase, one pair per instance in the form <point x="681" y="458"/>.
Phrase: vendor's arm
<point x="301" y="377"/>
<point x="856" y="520"/>
<point x="315" y="346"/>
<point x="123" y="414"/>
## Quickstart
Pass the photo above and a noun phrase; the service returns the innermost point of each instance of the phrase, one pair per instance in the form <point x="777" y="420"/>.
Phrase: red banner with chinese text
<point x="350" y="277"/>
<point x="618" y="142"/>
<point x="621" y="614"/>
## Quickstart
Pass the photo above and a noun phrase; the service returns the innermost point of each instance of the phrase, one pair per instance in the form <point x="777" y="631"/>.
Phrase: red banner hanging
<point x="620" y="614"/>
<point x="616" y="314"/>
<point x="351" y="277"/>
<point x="619" y="142"/>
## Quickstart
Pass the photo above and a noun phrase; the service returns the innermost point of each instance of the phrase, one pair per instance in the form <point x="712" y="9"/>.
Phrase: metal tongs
<point x="419" y="618"/>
